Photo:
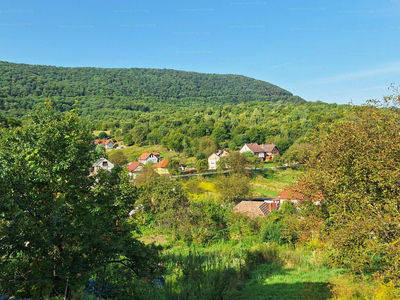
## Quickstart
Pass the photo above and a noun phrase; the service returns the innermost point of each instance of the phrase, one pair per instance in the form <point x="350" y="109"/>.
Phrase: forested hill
<point x="22" y="86"/>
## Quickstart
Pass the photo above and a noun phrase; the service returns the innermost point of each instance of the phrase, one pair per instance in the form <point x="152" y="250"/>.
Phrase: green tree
<point x="165" y="199"/>
<point x="173" y="166"/>
<point x="356" y="172"/>
<point x="146" y="175"/>
<point x="253" y="160"/>
<point x="118" y="158"/>
<point x="298" y="153"/>
<point x="201" y="165"/>
<point x="207" y="146"/>
<point x="118" y="134"/>
<point x="283" y="144"/>
<point x="57" y="224"/>
<point x="174" y="140"/>
<point x="103" y="135"/>
<point x="100" y="150"/>
<point x="128" y="139"/>
<point x="220" y="134"/>
<point x="233" y="187"/>
<point x="139" y="134"/>
<point x="238" y="141"/>
<point x="238" y="163"/>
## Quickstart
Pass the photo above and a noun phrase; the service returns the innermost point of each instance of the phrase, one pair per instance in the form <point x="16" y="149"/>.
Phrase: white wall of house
<point x="152" y="158"/>
<point x="109" y="145"/>
<point x="212" y="161"/>
<point x="245" y="149"/>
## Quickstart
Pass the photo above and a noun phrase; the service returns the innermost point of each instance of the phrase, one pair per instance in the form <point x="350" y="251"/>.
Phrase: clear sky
<point x="333" y="51"/>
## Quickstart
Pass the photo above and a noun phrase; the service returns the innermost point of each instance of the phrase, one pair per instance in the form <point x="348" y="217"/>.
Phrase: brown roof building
<point x="265" y="152"/>
<point x="255" y="209"/>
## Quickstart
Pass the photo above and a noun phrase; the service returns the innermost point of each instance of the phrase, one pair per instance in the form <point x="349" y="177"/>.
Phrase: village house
<point x="146" y="157"/>
<point x="215" y="158"/>
<point x="102" y="164"/>
<point x="108" y="144"/>
<point x="161" y="167"/>
<point x="134" y="168"/>
<point x="265" y="152"/>
<point x="255" y="209"/>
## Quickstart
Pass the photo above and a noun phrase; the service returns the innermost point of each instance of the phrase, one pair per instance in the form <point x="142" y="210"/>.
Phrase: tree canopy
<point x="356" y="174"/>
<point x="58" y="225"/>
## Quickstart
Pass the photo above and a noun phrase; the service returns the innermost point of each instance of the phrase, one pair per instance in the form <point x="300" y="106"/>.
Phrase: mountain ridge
<point x="23" y="85"/>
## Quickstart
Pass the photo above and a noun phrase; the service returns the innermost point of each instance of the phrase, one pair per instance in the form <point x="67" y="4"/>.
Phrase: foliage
<point x="173" y="166"/>
<point x="202" y="165"/>
<point x="233" y="187"/>
<point x="204" y="221"/>
<point x="146" y="176"/>
<point x="356" y="171"/>
<point x="100" y="150"/>
<point x="103" y="135"/>
<point x="297" y="153"/>
<point x="165" y="199"/>
<point x="131" y="90"/>
<point x="57" y="224"/>
<point x="237" y="162"/>
<point x="128" y="140"/>
<point x="6" y="122"/>
<point x="207" y="146"/>
<point x="117" y="158"/>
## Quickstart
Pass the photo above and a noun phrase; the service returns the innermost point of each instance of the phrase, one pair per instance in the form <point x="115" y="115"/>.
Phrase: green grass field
<point x="272" y="281"/>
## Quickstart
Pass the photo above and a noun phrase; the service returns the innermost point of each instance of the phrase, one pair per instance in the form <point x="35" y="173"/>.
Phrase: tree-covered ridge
<point x="229" y="125"/>
<point x="21" y="86"/>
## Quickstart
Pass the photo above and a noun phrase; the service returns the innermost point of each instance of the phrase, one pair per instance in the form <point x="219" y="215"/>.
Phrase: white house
<point x="265" y="152"/>
<point x="134" y="168"/>
<point x="146" y="157"/>
<point x="215" y="158"/>
<point x="102" y="164"/>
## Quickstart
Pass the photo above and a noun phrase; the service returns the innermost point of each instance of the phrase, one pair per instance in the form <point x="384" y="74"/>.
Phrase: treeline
<point x="229" y="126"/>
<point x="126" y="90"/>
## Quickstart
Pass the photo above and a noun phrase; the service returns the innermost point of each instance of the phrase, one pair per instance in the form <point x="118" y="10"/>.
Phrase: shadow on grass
<point x="274" y="282"/>
<point x="289" y="291"/>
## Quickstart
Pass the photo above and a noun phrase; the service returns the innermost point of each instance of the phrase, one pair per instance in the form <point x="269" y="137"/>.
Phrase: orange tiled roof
<point x="145" y="155"/>
<point x="133" y="165"/>
<point x="161" y="164"/>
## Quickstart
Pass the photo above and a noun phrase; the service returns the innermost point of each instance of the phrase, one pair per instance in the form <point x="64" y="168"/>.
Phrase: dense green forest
<point x="126" y="90"/>
<point x="168" y="107"/>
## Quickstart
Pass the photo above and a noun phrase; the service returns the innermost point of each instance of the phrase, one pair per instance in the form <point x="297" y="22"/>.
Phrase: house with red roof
<point x="108" y="144"/>
<point x="161" y="167"/>
<point x="134" y="168"/>
<point x="265" y="152"/>
<point x="149" y="156"/>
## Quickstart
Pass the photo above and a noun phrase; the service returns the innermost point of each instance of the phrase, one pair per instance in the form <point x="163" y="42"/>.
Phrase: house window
<point x="105" y="163"/>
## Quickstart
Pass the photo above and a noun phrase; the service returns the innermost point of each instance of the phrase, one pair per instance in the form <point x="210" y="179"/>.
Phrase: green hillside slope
<point x="23" y="86"/>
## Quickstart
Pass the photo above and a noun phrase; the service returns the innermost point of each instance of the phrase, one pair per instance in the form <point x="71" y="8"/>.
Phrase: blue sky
<point x="333" y="51"/>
